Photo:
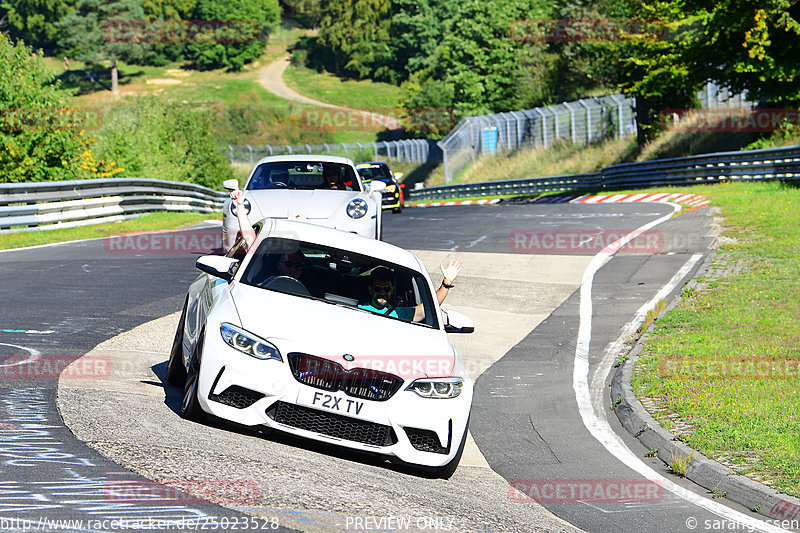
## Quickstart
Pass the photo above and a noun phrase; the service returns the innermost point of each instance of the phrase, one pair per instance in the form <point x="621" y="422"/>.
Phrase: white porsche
<point x="283" y="335"/>
<point x="323" y="190"/>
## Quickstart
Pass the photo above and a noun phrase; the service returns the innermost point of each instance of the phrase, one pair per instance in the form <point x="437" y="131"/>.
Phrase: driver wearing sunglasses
<point x="381" y="290"/>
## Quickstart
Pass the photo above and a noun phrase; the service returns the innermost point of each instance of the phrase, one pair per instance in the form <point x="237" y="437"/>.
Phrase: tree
<point x="41" y="134"/>
<point x="479" y="58"/>
<point x="34" y="21"/>
<point x="356" y="32"/>
<point x="241" y="41"/>
<point x="98" y="30"/>
<point x="741" y="46"/>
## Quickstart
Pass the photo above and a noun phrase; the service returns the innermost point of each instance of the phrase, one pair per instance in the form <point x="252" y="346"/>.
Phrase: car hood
<point x="297" y="324"/>
<point x="299" y="205"/>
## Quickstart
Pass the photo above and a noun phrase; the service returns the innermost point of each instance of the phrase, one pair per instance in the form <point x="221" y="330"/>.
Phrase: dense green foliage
<point x="739" y="45"/>
<point x="209" y="33"/>
<point x="40" y="134"/>
<point x="34" y="21"/>
<point x="152" y="138"/>
<point x="500" y="55"/>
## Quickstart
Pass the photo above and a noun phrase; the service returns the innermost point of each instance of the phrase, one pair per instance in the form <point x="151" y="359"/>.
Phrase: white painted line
<point x="599" y="428"/>
<point x="627" y="332"/>
<point x="32" y="355"/>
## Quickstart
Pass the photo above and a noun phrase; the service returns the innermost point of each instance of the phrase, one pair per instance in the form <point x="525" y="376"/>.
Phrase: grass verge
<point x="380" y="97"/>
<point x="726" y="359"/>
<point x="162" y="220"/>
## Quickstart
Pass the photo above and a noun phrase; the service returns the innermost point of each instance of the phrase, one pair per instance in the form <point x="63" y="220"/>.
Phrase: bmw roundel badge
<point x="348" y="357"/>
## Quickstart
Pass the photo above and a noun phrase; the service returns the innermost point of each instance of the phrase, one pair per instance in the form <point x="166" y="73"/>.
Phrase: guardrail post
<point x="269" y="147"/>
<point x="345" y="149"/>
<point x="308" y="147"/>
<point x="289" y="149"/>
<point x="361" y="149"/>
<point x="251" y="153"/>
<point x="231" y="149"/>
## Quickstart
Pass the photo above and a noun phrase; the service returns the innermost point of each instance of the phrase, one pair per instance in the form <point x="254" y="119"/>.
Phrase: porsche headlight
<point x="246" y="207"/>
<point x="437" y="387"/>
<point x="248" y="343"/>
<point x="391" y="187"/>
<point x="357" y="208"/>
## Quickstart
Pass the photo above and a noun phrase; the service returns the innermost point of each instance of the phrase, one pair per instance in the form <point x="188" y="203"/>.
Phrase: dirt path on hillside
<point x="271" y="78"/>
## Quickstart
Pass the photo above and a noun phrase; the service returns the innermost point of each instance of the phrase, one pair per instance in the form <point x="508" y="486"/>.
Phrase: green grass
<point x="161" y="220"/>
<point x="726" y="359"/>
<point x="358" y="94"/>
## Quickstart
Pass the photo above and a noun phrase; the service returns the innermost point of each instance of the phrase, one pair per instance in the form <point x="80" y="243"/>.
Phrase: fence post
<point x="345" y="149"/>
<point x="621" y="127"/>
<point x="251" y="153"/>
<point x="361" y="148"/>
<point x="269" y="147"/>
<point x="544" y="126"/>
<point x="231" y="149"/>
<point x="308" y="147"/>
<point x="573" y="133"/>
<point x="588" y="121"/>
<point x="289" y="149"/>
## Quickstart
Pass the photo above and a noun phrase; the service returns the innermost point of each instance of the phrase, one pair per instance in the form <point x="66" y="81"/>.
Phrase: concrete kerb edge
<point x="718" y="480"/>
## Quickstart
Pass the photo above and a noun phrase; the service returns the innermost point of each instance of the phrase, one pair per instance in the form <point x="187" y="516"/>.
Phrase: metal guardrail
<point x="64" y="204"/>
<point x="767" y="164"/>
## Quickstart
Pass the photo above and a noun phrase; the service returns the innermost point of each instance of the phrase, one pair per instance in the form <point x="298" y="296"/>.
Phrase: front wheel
<point x="190" y="407"/>
<point x="176" y="371"/>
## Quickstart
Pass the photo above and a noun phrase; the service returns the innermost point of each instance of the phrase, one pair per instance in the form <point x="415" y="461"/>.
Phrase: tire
<point x="397" y="210"/>
<point x="176" y="371"/>
<point x="446" y="471"/>
<point x="190" y="407"/>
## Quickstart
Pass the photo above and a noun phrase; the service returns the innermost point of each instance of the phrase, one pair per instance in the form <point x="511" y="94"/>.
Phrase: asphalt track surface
<point x="64" y="300"/>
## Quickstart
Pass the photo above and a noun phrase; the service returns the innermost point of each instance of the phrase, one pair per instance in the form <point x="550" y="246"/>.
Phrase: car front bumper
<point x="253" y="392"/>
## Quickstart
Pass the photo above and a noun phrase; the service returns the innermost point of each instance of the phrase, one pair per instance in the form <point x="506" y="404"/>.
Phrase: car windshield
<point x="374" y="172"/>
<point x="340" y="277"/>
<point x="303" y="175"/>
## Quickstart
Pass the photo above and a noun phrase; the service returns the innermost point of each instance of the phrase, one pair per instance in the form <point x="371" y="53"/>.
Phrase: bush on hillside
<point x="41" y="134"/>
<point x="151" y="138"/>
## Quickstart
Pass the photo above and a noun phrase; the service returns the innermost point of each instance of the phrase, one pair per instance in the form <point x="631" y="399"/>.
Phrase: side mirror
<point x="376" y="186"/>
<point x="397" y="175"/>
<point x="218" y="266"/>
<point x="455" y="322"/>
<point x="231" y="185"/>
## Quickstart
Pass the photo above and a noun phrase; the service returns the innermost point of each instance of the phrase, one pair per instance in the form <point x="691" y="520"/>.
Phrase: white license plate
<point x="332" y="402"/>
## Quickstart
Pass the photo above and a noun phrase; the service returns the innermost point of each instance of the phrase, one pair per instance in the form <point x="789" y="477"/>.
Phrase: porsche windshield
<point x="342" y="277"/>
<point x="303" y="175"/>
<point x="374" y="172"/>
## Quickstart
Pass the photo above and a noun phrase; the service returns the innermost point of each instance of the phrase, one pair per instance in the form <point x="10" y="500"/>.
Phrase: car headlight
<point x="246" y="207"/>
<point x="357" y="208"/>
<point x="391" y="187"/>
<point x="437" y="387"/>
<point x="248" y="343"/>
